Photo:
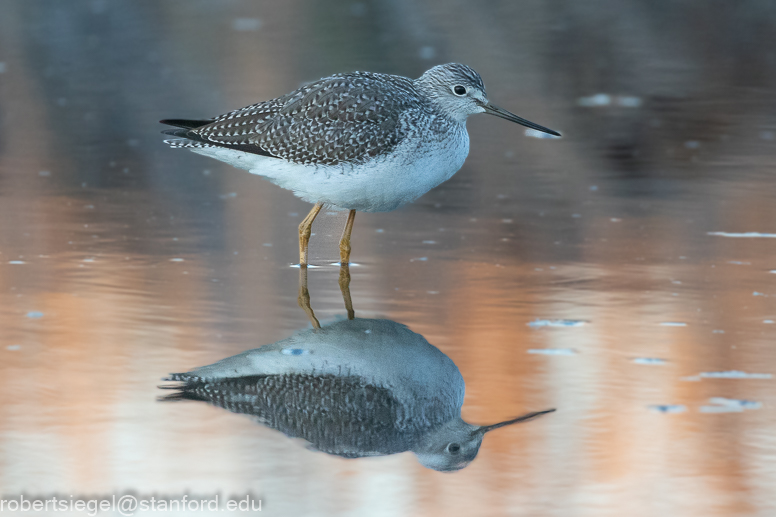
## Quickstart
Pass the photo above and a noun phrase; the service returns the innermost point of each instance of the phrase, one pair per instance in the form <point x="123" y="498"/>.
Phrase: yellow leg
<point x="304" y="298"/>
<point x="344" y="244"/>
<point x="305" y="229"/>
<point x="344" y="283"/>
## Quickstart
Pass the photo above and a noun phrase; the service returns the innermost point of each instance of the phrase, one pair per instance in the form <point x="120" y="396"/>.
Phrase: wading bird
<point x="356" y="141"/>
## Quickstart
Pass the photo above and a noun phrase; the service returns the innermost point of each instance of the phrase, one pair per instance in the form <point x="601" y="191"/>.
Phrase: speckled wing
<point x="346" y="118"/>
<point x="344" y="416"/>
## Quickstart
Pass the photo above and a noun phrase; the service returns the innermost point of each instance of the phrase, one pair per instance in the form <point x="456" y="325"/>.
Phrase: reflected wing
<point x="344" y="416"/>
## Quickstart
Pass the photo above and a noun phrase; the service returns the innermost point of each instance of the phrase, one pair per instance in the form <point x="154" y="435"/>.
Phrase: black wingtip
<point x="185" y="123"/>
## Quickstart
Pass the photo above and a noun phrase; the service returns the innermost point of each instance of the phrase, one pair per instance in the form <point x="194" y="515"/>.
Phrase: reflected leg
<point x="344" y="283"/>
<point x="305" y="228"/>
<point x="345" y="240"/>
<point x="304" y="298"/>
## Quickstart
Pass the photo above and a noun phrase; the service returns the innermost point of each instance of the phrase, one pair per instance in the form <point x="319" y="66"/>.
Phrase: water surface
<point x="600" y="274"/>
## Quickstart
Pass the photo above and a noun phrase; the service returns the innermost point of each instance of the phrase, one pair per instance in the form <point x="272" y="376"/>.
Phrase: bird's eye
<point x="459" y="90"/>
<point x="453" y="448"/>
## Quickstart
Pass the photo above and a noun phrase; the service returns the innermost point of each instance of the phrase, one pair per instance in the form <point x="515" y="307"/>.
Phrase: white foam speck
<point x="595" y="101"/>
<point x="13" y="347"/>
<point x="16" y="262"/>
<point x="628" y="101"/>
<point x="746" y="404"/>
<point x="177" y="259"/>
<point x="744" y="235"/>
<point x="601" y="100"/>
<point x="672" y="324"/>
<point x="735" y="374"/>
<point x="668" y="408"/>
<point x="552" y="351"/>
<point x="34" y="315"/>
<point x="557" y="323"/>
<point x="419" y="259"/>
<point x="726" y="405"/>
<point x="721" y="409"/>
<point x="649" y="360"/>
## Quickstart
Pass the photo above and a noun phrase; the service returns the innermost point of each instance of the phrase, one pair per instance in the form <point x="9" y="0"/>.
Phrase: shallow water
<point x="619" y="274"/>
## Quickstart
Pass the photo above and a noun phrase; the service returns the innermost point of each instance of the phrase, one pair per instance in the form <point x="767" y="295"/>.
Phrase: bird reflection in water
<point x="353" y="388"/>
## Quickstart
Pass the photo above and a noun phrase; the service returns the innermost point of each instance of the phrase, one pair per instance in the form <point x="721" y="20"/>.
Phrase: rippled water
<point x="623" y="275"/>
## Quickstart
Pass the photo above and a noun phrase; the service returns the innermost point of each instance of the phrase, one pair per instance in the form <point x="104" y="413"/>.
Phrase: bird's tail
<point x="184" y="136"/>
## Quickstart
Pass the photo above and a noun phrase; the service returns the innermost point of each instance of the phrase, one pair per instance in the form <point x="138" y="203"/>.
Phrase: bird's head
<point x="454" y="445"/>
<point x="459" y="92"/>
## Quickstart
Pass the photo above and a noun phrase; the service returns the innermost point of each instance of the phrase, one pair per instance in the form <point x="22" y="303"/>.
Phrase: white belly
<point x="379" y="185"/>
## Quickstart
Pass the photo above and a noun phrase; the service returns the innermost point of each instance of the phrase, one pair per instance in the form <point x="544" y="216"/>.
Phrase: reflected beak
<point x="490" y="109"/>
<point x="530" y="416"/>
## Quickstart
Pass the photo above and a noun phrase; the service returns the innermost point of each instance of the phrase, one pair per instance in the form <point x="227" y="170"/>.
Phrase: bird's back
<point x="343" y="119"/>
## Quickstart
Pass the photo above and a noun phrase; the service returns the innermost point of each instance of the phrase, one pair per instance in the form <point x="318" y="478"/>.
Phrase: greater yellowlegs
<point x="355" y="388"/>
<point x="357" y="141"/>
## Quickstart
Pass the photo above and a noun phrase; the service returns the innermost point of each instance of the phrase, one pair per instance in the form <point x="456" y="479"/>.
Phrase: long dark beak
<point x="530" y="416"/>
<point x="490" y="109"/>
